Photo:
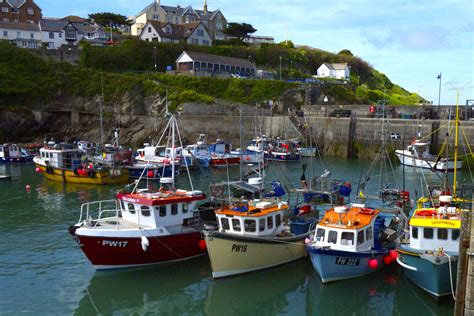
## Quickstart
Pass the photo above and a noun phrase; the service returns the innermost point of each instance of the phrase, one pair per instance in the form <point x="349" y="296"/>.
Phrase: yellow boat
<point x="59" y="163"/>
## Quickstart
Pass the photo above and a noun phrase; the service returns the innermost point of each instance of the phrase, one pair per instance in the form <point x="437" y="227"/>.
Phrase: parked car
<point x="341" y="113"/>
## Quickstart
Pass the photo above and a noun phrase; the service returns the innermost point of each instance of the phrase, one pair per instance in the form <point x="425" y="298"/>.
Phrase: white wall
<point x="26" y="39"/>
<point x="56" y="42"/>
<point x="200" y="40"/>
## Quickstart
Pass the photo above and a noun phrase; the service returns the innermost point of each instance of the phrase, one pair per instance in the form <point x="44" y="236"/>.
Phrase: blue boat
<point x="350" y="242"/>
<point x="12" y="153"/>
<point x="429" y="258"/>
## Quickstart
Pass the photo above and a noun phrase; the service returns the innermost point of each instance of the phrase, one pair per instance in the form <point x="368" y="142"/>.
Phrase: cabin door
<point x="6" y="152"/>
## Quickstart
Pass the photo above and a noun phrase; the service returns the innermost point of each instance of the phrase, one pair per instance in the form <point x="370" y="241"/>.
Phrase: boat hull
<point x="427" y="164"/>
<point x="334" y="265"/>
<point x="430" y="276"/>
<point x="16" y="160"/>
<point x="116" y="252"/>
<point x="68" y="176"/>
<point x="224" y="161"/>
<point x="274" y="156"/>
<point x="233" y="255"/>
<point x="136" y="171"/>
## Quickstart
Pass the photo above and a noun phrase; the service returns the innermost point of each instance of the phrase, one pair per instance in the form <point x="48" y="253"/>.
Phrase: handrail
<point x="86" y="207"/>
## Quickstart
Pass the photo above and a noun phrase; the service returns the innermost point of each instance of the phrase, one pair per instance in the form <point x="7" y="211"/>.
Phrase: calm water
<point x="43" y="271"/>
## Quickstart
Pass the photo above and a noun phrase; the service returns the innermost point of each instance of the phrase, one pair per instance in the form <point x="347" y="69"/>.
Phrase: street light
<point x="154" y="47"/>
<point x="280" y="67"/>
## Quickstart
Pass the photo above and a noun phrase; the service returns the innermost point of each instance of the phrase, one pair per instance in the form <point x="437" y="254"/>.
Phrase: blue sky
<point x="410" y="41"/>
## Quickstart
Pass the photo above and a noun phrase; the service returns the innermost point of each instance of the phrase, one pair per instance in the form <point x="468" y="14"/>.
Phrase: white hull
<point x="408" y="160"/>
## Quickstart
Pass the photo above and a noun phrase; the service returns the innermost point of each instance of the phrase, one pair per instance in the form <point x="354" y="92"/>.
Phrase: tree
<point x="239" y="30"/>
<point x="108" y="18"/>
<point x="345" y="52"/>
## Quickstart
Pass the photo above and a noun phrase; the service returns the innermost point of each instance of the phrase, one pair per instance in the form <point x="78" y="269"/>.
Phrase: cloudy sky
<point x="410" y="41"/>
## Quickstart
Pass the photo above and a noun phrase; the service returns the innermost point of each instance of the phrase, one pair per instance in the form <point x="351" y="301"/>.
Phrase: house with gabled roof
<point x="192" y="33"/>
<point x="22" y="11"/>
<point x="25" y="35"/>
<point x="334" y="70"/>
<point x="214" y="21"/>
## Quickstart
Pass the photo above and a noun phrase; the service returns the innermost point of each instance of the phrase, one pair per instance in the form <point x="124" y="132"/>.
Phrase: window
<point x="225" y="223"/>
<point x="60" y="35"/>
<point x="174" y="209"/>
<point x="162" y="210"/>
<point x="455" y="234"/>
<point x="30" y="11"/>
<point x="278" y="220"/>
<point x="261" y="224"/>
<point x="236" y="225"/>
<point x="347" y="239"/>
<point x="368" y="234"/>
<point x="5" y="33"/>
<point x="320" y="234"/>
<point x="442" y="233"/>
<point x="270" y="222"/>
<point x="18" y="34"/>
<point x="145" y="211"/>
<point x="5" y="9"/>
<point x="156" y="17"/>
<point x="170" y="19"/>
<point x="332" y="236"/>
<point x="250" y="225"/>
<point x="176" y="19"/>
<point x="206" y="43"/>
<point x="195" y="41"/>
<point x="32" y="35"/>
<point x="200" y="33"/>
<point x="51" y="35"/>
<point x="360" y="237"/>
<point x="149" y="29"/>
<point x="414" y="232"/>
<point x="131" y="208"/>
<point x="428" y="233"/>
<point x="185" y="208"/>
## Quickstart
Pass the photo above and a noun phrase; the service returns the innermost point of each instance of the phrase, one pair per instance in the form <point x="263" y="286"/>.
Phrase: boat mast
<point x="173" y="119"/>
<point x="455" y="143"/>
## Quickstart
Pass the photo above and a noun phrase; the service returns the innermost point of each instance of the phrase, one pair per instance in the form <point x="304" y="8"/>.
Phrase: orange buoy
<point x="202" y="245"/>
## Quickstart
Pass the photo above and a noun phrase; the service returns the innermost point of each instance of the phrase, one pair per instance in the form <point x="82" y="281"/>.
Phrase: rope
<point x="157" y="239"/>
<point x="450" y="275"/>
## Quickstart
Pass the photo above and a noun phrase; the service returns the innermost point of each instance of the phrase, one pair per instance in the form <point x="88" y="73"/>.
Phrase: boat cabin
<point x="11" y="151"/>
<point x="86" y="146"/>
<point x="64" y="157"/>
<point x="419" y="150"/>
<point x="349" y="229"/>
<point x="436" y="227"/>
<point x="253" y="218"/>
<point x="220" y="147"/>
<point x="168" y="210"/>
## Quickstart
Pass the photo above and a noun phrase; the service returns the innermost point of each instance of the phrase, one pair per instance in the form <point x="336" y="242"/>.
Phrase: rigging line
<point x="467" y="160"/>
<point x="172" y="149"/>
<point x="184" y="158"/>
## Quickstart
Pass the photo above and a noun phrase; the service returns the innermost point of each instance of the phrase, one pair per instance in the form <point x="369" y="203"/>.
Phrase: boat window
<point x="162" y="210"/>
<point x="250" y="225"/>
<point x="347" y="239"/>
<point x="270" y="222"/>
<point x="428" y="233"/>
<point x="320" y="234"/>
<point x="455" y="234"/>
<point x="332" y="236"/>
<point x="360" y="237"/>
<point x="145" y="210"/>
<point x="174" y="209"/>
<point x="185" y="208"/>
<point x="368" y="234"/>
<point x="131" y="208"/>
<point x="261" y="224"/>
<point x="225" y="223"/>
<point x="236" y="225"/>
<point x="278" y="220"/>
<point x="442" y="233"/>
<point x="414" y="232"/>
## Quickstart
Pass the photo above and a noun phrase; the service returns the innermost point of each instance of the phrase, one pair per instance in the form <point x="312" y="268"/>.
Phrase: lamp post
<point x="280" y="67"/>
<point x="154" y="48"/>
<point x="358" y="77"/>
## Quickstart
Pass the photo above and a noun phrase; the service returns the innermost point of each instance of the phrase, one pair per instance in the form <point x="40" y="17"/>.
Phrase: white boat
<point x="417" y="155"/>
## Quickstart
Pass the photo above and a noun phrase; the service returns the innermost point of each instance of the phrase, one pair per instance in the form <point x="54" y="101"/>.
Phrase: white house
<point x="25" y="35"/>
<point x="52" y="33"/>
<point x="192" y="33"/>
<point x="336" y="70"/>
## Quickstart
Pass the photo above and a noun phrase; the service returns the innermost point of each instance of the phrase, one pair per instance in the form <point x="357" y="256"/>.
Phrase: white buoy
<point x="340" y="210"/>
<point x="145" y="243"/>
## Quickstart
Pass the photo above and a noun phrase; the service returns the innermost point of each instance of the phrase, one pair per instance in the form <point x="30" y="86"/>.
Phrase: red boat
<point x="223" y="160"/>
<point x="144" y="227"/>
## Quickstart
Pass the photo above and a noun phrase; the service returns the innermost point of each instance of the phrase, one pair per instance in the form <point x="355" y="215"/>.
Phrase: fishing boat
<point x="13" y="153"/>
<point x="350" y="242"/>
<point x="417" y="155"/>
<point x="220" y="155"/>
<point x="252" y="235"/>
<point x="142" y="227"/>
<point x="66" y="163"/>
<point x="283" y="150"/>
<point x="157" y="155"/>
<point x="430" y="256"/>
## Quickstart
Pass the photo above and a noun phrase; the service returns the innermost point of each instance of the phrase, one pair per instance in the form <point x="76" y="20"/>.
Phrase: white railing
<point x="97" y="206"/>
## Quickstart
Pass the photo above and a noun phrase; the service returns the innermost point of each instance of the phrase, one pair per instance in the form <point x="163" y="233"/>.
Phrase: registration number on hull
<point x="114" y="243"/>
<point x="343" y="261"/>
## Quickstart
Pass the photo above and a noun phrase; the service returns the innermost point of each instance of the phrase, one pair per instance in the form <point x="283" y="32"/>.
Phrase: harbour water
<point x="43" y="271"/>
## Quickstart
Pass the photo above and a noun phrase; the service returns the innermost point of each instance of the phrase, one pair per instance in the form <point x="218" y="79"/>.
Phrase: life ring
<point x="367" y="211"/>
<point x="426" y="213"/>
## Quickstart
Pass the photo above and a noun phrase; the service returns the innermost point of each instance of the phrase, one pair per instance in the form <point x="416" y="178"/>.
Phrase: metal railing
<point x="97" y="206"/>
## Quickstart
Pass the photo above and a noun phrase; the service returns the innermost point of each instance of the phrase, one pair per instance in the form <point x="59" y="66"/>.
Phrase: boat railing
<point x="97" y="206"/>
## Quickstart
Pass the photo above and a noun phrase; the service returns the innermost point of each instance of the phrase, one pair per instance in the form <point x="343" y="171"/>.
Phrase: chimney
<point x="205" y="7"/>
<point x="158" y="2"/>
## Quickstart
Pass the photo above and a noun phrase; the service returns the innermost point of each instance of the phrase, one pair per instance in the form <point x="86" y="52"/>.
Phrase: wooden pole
<point x="464" y="240"/>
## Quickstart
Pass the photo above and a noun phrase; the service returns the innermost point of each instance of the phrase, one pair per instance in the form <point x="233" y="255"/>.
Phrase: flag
<point x="439" y="76"/>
